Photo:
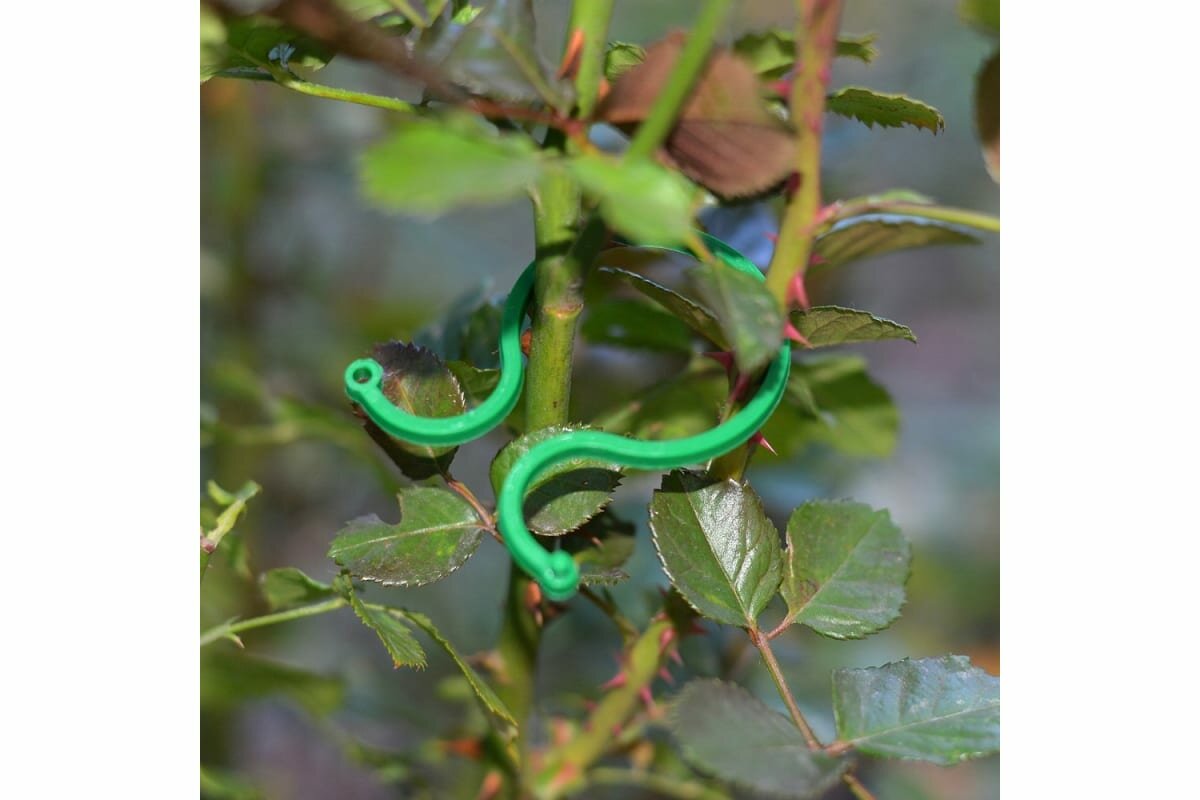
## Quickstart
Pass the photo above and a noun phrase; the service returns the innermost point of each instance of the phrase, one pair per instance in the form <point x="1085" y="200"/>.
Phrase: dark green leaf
<point x="229" y="678"/>
<point x="876" y="234"/>
<point x="633" y="324"/>
<point x="401" y="645"/>
<point x="932" y="709"/>
<point x="685" y="405"/>
<point x="477" y="383"/>
<point x="288" y="587"/>
<point x="886" y="110"/>
<point x="620" y="56"/>
<point x="844" y="568"/>
<point x="716" y="545"/>
<point x="417" y="381"/>
<point x="486" y="694"/>
<point x="825" y="326"/>
<point x="725" y="731"/>
<point x="431" y="166"/>
<point x="639" y="198"/>
<point x="833" y="401"/>
<point x="437" y="532"/>
<point x="566" y="495"/>
<point x="250" y="42"/>
<point x="750" y="318"/>
<point x="496" y="55"/>
<point x="984" y="14"/>
<point x="987" y="113"/>
<point x="601" y="547"/>
<point x="772" y="53"/>
<point x="468" y="331"/>
<point x="696" y="316"/>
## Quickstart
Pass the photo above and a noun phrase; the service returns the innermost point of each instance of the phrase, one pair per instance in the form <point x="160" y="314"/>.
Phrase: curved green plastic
<point x="557" y="572"/>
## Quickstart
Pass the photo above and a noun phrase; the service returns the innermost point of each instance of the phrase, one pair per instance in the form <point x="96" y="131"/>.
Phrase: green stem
<point x="226" y="629"/>
<point x="345" y="95"/>
<point x="856" y="788"/>
<point x="653" y="130"/>
<point x="659" y="784"/>
<point x="768" y="657"/>
<point x="960" y="216"/>
<point x="816" y="43"/>
<point x="592" y="18"/>
<point x="566" y="765"/>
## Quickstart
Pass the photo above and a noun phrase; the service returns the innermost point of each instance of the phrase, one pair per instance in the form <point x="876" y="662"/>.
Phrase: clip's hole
<point x="362" y="375"/>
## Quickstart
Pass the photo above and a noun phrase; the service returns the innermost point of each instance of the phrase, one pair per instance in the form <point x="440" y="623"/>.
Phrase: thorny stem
<point x="816" y="42"/>
<point x="856" y="787"/>
<point x="768" y="657"/>
<point x="653" y="130"/>
<point x="591" y="17"/>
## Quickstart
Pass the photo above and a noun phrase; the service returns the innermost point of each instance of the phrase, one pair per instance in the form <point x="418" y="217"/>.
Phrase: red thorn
<point x="721" y="357"/>
<point x="697" y="628"/>
<point x="615" y="681"/>
<point x="665" y="638"/>
<point x="616" y="731"/>
<point x="789" y="330"/>
<point x="589" y="706"/>
<point x="823" y="75"/>
<point x="739" y="387"/>
<point x="797" y="291"/>
<point x="783" y="88"/>
<point x="772" y="236"/>
<point x="665" y="674"/>
<point x="574" y="52"/>
<point x="647" y="698"/>
<point x="759" y="439"/>
<point x="817" y="258"/>
<point x="674" y="656"/>
<point x="793" y="183"/>
<point x="825" y="212"/>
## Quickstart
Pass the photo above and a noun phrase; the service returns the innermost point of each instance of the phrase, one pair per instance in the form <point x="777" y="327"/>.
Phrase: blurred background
<point x="299" y="275"/>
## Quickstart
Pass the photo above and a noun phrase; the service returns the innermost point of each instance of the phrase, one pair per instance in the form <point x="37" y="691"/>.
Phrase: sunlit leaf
<point x="620" y="57"/>
<point x="287" y="587"/>
<point x="638" y="198"/>
<point x="824" y="326"/>
<point x="878" y="234"/>
<point x="885" y="110"/>
<point x="397" y="639"/>
<point x="772" y="53"/>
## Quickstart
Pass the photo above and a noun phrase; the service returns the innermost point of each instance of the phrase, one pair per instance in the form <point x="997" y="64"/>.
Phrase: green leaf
<point x="486" y="694"/>
<point x="468" y="331"/>
<point x="566" y="495"/>
<point x="772" y="53"/>
<point x="844" y="568"/>
<point x="835" y="402"/>
<point x="984" y="14"/>
<point x="633" y="324"/>
<point x="601" y="547"/>
<point x="430" y="166"/>
<point x="242" y="43"/>
<point x="621" y="56"/>
<point x="987" y="113"/>
<point x="750" y="318"/>
<point x="885" y="110"/>
<point x="684" y="405"/>
<point x="639" y="198"/>
<point x="476" y="383"/>
<point x="496" y="55"/>
<point x="287" y="587"/>
<point x="877" y="234"/>
<point x="437" y="532"/>
<point x="235" y="506"/>
<point x="716" y="545"/>
<point x="229" y="678"/>
<point x="694" y="315"/>
<point x="401" y="645"/>
<point x="825" y="326"/>
<point x="725" y="731"/>
<point x="417" y="381"/>
<point x="931" y="709"/>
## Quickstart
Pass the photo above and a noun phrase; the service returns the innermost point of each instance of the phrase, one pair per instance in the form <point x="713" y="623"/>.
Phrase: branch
<point x="659" y="784"/>
<point x="768" y="657"/>
<point x="229" y="630"/>
<point x="816" y="43"/>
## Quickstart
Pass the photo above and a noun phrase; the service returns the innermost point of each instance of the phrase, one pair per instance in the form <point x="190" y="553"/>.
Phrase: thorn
<point x="589" y="706"/>
<point x="697" y="628"/>
<point x="823" y="75"/>
<point x="616" y="731"/>
<point x="739" y="387"/>
<point x="674" y="656"/>
<point x="572" y="55"/>
<point x="647" y="697"/>
<point x="817" y="258"/>
<point x="665" y="639"/>
<point x="759" y="439"/>
<point x="825" y="212"/>
<point x="793" y="183"/>
<point x="526" y="341"/>
<point x="615" y="682"/>
<point x="782" y="87"/>
<point x="666" y="675"/>
<point x="723" y="358"/>
<point x="773" y="237"/>
<point x="789" y="330"/>
<point x="207" y="545"/>
<point x="797" y="291"/>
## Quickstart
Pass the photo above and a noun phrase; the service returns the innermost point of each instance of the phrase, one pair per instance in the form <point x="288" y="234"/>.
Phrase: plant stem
<point x="654" y="129"/>
<point x="659" y="784"/>
<point x="566" y="765"/>
<point x="856" y="787"/>
<point x="226" y="629"/>
<point x="768" y="657"/>
<point x="961" y="216"/>
<point x="592" y="17"/>
<point x="816" y="42"/>
<point x="629" y="631"/>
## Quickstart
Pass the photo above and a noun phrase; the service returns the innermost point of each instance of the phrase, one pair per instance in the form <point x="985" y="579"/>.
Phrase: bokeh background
<point x="299" y="274"/>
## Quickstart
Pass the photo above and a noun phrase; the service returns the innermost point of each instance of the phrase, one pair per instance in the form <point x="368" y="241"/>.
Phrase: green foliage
<point x="716" y="545"/>
<point x="637" y="197"/>
<point x="885" y="110"/>
<point x="724" y="730"/>
<point x="942" y="710"/>
<point x="288" y="587"/>
<point x="397" y="638"/>
<point x="688" y="311"/>
<point x="249" y="43"/>
<point x="437" y="532"/>
<point x="228" y="679"/>
<point x="772" y="53"/>
<point x="633" y="324"/>
<point x="844" y="569"/>
<point x="429" y="166"/>
<point x="621" y="56"/>
<point x="824" y="326"/>
<point x="567" y="494"/>
<point x="749" y="317"/>
<point x="984" y="14"/>
<point x="871" y="235"/>
<point x="601" y="547"/>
